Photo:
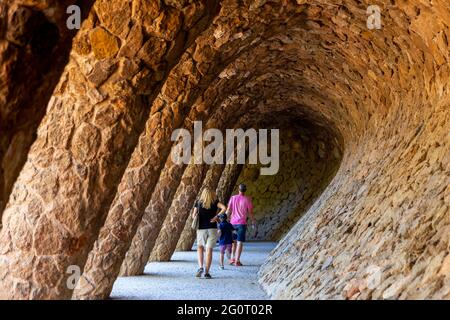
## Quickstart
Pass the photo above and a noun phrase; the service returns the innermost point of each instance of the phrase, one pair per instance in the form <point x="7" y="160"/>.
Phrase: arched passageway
<point x="360" y="205"/>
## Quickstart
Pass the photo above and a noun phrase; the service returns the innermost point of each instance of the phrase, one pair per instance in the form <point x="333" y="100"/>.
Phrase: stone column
<point x="34" y="48"/>
<point x="228" y="181"/>
<point x="179" y="210"/>
<point x="94" y="119"/>
<point x="188" y="235"/>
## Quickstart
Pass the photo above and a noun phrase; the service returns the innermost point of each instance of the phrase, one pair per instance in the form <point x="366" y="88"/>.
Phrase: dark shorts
<point x="240" y="232"/>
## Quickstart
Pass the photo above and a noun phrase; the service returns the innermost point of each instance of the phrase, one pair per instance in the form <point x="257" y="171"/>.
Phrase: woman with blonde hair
<point x="206" y="210"/>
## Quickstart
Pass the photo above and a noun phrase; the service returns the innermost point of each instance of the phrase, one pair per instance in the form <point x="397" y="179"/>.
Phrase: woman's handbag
<point x="195" y="221"/>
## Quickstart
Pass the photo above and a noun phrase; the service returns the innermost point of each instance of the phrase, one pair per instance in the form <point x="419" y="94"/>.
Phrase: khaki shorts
<point x="207" y="238"/>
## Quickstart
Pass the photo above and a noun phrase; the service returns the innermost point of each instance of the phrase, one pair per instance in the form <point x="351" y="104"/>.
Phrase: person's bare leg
<point x="239" y="247"/>
<point x="228" y="251"/>
<point x="222" y="254"/>
<point x="233" y="250"/>
<point x="209" y="252"/>
<point x="200" y="251"/>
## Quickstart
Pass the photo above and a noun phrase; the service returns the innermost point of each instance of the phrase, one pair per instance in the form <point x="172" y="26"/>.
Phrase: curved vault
<point x="382" y="96"/>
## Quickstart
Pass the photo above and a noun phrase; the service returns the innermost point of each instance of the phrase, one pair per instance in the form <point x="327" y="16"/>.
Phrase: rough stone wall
<point x="34" y="48"/>
<point x="381" y="228"/>
<point x="308" y="160"/>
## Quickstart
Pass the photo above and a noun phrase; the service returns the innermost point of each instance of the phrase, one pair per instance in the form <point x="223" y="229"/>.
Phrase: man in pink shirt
<point x="239" y="207"/>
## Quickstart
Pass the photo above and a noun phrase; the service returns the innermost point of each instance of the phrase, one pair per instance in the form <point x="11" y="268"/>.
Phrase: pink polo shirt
<point x="240" y="206"/>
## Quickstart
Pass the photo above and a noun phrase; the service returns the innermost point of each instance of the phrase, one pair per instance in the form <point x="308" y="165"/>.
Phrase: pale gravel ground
<point x="175" y="280"/>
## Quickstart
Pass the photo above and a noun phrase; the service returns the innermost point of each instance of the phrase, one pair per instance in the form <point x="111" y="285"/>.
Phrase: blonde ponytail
<point x="207" y="198"/>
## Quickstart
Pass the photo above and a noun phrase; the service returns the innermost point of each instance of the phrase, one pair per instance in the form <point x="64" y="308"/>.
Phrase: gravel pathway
<point x="175" y="280"/>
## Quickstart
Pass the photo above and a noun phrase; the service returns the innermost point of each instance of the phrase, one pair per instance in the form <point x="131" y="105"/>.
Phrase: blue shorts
<point x="240" y="232"/>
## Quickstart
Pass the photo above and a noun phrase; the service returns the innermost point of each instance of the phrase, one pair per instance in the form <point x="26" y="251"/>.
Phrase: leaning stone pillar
<point x="34" y="48"/>
<point x="152" y="217"/>
<point x="179" y="210"/>
<point x="144" y="239"/>
<point x="188" y="235"/>
<point x="84" y="144"/>
<point x="140" y="178"/>
<point x="228" y="181"/>
<point x="224" y="183"/>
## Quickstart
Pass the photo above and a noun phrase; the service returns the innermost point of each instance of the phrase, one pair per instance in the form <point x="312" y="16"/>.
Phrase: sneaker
<point x="231" y="261"/>
<point x="238" y="264"/>
<point x="207" y="276"/>
<point x="199" y="272"/>
<point x="221" y="267"/>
